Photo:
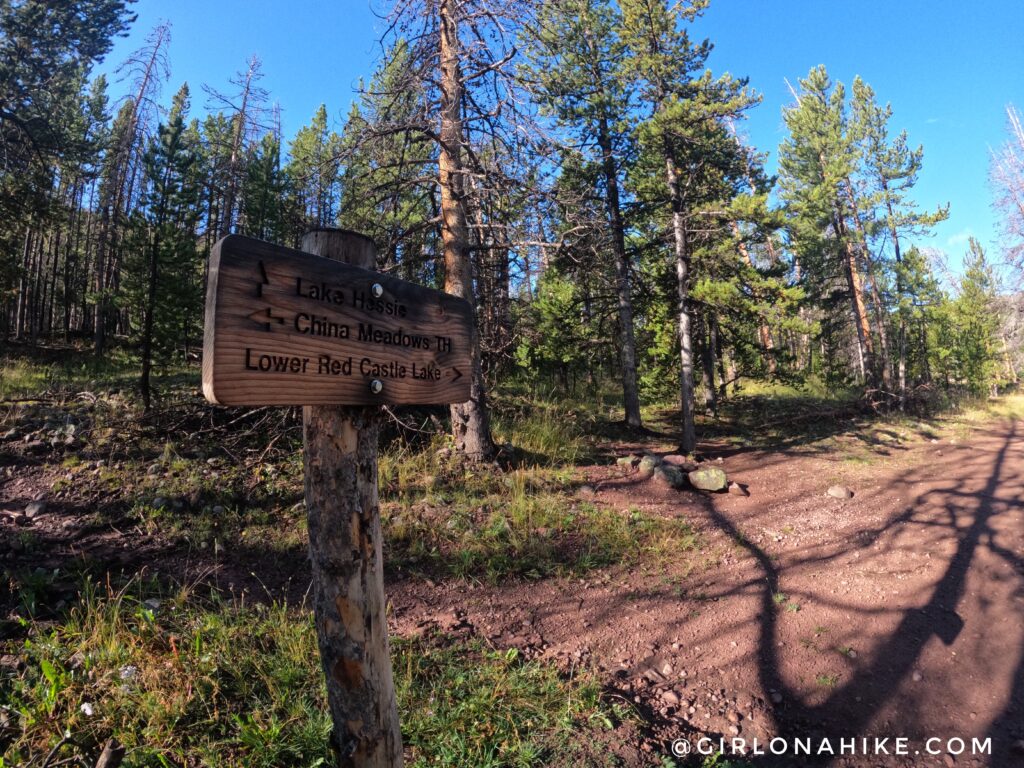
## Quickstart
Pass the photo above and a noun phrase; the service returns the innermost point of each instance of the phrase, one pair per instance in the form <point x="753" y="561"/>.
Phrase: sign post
<point x="318" y="328"/>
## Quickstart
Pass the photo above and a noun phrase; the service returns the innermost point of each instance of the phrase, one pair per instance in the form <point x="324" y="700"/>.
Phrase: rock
<point x="948" y="760"/>
<point x="34" y="446"/>
<point x="10" y="434"/>
<point x="738" y="490"/>
<point x="776" y="697"/>
<point x="708" y="479"/>
<point x="160" y="502"/>
<point x="217" y="509"/>
<point x="671" y="698"/>
<point x="35" y="509"/>
<point x="666" y="474"/>
<point x="685" y="463"/>
<point x="733" y="717"/>
<point x="154" y="469"/>
<point x="917" y="677"/>
<point x="649" y="463"/>
<point x="587" y="491"/>
<point x="734" y="730"/>
<point x="629" y="461"/>
<point x="840" y="492"/>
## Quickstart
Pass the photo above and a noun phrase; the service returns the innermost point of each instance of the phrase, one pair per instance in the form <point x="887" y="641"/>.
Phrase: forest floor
<point x="571" y="611"/>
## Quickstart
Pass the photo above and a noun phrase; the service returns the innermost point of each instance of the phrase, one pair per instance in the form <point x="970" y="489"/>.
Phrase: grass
<point x="488" y="708"/>
<point x="207" y="681"/>
<point x="68" y="370"/>
<point x="441" y="515"/>
<point x="474" y="523"/>
<point x="827" y="681"/>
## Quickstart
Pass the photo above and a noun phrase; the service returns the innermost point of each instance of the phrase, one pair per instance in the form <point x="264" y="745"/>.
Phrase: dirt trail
<point x="897" y="613"/>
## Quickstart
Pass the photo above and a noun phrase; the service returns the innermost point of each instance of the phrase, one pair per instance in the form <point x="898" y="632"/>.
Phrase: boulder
<point x="708" y="479"/>
<point x="685" y="463"/>
<point x="629" y="461"/>
<point x="738" y="490"/>
<point x="669" y="475"/>
<point x="649" y="463"/>
<point x="35" y="509"/>
<point x="840" y="492"/>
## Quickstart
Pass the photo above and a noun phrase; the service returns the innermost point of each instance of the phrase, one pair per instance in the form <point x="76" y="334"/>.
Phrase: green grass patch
<point x="523" y="524"/>
<point x="184" y="680"/>
<point x="827" y="681"/>
<point x="67" y="371"/>
<point x="471" y="705"/>
<point x="445" y="516"/>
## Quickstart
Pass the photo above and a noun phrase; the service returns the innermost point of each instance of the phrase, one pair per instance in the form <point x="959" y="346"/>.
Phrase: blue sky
<point x="948" y="68"/>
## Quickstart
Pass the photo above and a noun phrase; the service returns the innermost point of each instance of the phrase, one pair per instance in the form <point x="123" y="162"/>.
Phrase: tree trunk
<point x="876" y="297"/>
<point x="865" y="347"/>
<point x="708" y="361"/>
<point x="340" y="459"/>
<point x="22" y="306"/>
<point x="147" y="329"/>
<point x="630" y="390"/>
<point x="688" y="443"/>
<point x="901" y="330"/>
<point x="470" y="420"/>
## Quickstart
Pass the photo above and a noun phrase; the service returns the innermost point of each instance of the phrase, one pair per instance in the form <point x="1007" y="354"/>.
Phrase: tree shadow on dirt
<point x="849" y="709"/>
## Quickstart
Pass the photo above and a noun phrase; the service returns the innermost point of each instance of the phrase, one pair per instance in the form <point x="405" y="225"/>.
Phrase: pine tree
<point x="170" y="299"/>
<point x="461" y="58"/>
<point x="685" y="134"/>
<point x="575" y="66"/>
<point x="387" y="191"/>
<point x="313" y="173"/>
<point x="891" y="169"/>
<point x="46" y="52"/>
<point x="263" y="192"/>
<point x="816" y="163"/>
<point x="976" y="353"/>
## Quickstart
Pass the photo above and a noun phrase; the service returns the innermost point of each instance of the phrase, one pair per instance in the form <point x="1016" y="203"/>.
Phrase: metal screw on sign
<point x="376" y="386"/>
<point x="377" y="290"/>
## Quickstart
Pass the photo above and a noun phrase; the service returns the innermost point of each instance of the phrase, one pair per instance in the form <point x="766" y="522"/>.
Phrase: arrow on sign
<point x="263" y="281"/>
<point x="457" y="372"/>
<point x="265" y="317"/>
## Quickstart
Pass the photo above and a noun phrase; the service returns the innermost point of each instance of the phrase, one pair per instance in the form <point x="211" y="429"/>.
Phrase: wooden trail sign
<point x="284" y="327"/>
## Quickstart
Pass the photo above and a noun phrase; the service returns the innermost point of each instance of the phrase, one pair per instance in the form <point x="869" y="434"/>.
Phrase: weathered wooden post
<point x="340" y="460"/>
<point x="320" y="329"/>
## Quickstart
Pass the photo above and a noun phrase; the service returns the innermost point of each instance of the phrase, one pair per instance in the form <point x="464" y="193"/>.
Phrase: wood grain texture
<point x="340" y="457"/>
<point x="284" y="327"/>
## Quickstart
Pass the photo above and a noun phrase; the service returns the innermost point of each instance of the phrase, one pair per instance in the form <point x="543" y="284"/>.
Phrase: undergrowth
<point x="187" y="680"/>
